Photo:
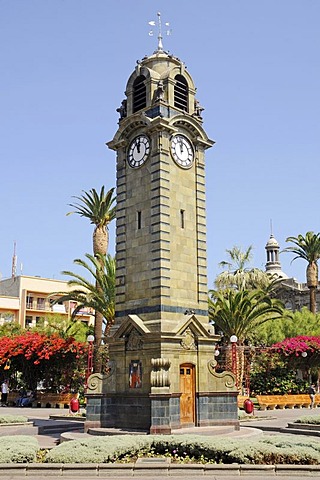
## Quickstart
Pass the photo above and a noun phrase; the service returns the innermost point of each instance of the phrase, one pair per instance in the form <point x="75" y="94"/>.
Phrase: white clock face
<point x="138" y="151"/>
<point x="182" y="151"/>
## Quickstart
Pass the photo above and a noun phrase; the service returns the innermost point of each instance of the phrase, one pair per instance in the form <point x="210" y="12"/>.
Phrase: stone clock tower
<point x="162" y="369"/>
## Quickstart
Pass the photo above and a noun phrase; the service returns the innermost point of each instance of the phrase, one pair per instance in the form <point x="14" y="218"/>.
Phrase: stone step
<point x="59" y="427"/>
<point x="304" y="426"/>
<point x="300" y="431"/>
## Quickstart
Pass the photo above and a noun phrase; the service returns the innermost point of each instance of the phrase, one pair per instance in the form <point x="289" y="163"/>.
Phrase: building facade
<point x="293" y="294"/>
<point x="27" y="300"/>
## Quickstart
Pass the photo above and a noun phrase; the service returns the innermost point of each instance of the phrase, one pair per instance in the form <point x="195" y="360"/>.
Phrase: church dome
<point x="272" y="242"/>
<point x="273" y="265"/>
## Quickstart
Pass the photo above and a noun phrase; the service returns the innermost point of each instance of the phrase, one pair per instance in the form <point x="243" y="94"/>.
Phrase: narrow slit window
<point x="139" y="220"/>
<point x="182" y="218"/>
<point x="139" y="94"/>
<point x="181" y="93"/>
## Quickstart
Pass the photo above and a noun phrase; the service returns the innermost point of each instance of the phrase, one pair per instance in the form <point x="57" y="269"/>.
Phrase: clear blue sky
<point x="64" y="68"/>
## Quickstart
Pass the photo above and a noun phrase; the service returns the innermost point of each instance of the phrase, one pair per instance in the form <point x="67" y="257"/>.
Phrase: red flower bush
<point x="36" y="356"/>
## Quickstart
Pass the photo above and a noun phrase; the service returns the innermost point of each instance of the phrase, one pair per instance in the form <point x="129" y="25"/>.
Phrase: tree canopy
<point x="239" y="275"/>
<point x="293" y="324"/>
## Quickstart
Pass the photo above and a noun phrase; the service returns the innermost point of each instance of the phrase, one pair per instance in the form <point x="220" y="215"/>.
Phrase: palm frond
<point x="241" y="312"/>
<point x="306" y="247"/>
<point x="98" y="294"/>
<point x="98" y="208"/>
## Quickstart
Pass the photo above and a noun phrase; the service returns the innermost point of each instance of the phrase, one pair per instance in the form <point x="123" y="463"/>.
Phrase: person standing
<point x="312" y="394"/>
<point x="4" y="393"/>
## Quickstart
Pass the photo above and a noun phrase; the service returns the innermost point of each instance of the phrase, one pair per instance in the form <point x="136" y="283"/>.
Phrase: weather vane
<point x="167" y="31"/>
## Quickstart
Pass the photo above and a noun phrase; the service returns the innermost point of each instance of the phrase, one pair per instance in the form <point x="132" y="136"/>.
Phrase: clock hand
<point x="138" y="146"/>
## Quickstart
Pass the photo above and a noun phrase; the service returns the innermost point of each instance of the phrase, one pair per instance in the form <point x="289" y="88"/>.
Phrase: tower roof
<point x="273" y="265"/>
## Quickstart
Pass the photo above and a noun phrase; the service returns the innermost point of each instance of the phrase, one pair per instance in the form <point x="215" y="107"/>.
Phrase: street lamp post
<point x="233" y="340"/>
<point x="90" y="340"/>
<point x="307" y="371"/>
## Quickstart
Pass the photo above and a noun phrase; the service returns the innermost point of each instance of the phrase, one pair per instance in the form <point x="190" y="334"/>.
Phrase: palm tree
<point x="100" y="210"/>
<point x="239" y="259"/>
<point x="240" y="313"/>
<point x="86" y="293"/>
<point x="239" y="276"/>
<point x="308" y="248"/>
<point x="64" y="327"/>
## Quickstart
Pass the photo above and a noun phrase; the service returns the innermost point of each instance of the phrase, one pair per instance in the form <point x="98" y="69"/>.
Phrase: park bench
<point x="12" y="397"/>
<point x="53" y="400"/>
<point x="267" y="402"/>
<point x="286" y="401"/>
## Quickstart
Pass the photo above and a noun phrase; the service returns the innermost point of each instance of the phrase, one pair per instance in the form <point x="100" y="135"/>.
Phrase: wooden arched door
<point x="187" y="389"/>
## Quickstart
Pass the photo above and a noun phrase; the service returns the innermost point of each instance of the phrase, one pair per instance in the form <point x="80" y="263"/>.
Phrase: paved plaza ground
<point x="41" y="416"/>
<point x="274" y="419"/>
<point x="262" y="419"/>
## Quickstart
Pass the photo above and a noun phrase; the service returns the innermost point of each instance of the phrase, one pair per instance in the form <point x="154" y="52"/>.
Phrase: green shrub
<point x="13" y="419"/>
<point x="97" y="449"/>
<point x="18" y="449"/>
<point x="276" y="381"/>
<point x="188" y="448"/>
<point x="314" y="420"/>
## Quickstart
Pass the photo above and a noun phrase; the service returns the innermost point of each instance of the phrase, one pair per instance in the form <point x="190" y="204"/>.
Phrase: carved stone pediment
<point x="134" y="341"/>
<point x="192" y="323"/>
<point x="131" y="322"/>
<point x="189" y="341"/>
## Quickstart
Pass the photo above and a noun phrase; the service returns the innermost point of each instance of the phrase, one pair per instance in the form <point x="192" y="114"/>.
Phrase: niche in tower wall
<point x="135" y="374"/>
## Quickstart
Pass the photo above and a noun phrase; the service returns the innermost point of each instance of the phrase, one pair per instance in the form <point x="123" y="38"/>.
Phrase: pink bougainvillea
<point x="298" y="345"/>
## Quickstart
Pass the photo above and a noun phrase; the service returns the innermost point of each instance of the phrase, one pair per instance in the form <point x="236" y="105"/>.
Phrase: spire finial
<point x="167" y="32"/>
<point x="14" y="261"/>
<point x="271" y="229"/>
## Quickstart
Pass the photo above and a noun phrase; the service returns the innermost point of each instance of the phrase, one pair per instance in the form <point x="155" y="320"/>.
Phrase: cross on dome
<point x="167" y="31"/>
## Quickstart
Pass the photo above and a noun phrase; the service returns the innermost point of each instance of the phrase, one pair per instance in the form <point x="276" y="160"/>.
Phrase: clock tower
<point x="161" y="218"/>
<point x="161" y="372"/>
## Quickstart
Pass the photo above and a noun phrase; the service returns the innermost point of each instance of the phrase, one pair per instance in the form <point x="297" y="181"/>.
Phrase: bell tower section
<point x="161" y="262"/>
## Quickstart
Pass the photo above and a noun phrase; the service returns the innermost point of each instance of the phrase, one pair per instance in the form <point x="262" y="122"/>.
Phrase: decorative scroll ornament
<point x="134" y="341"/>
<point x="95" y="383"/>
<point x="225" y="379"/>
<point x="189" y="341"/>
<point x="212" y="364"/>
<point x="160" y="372"/>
